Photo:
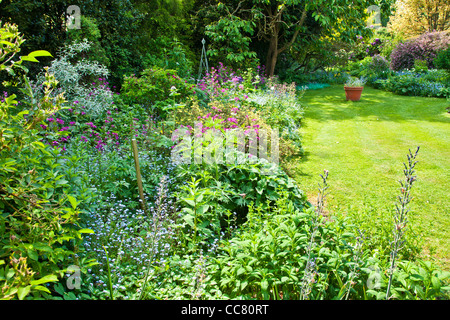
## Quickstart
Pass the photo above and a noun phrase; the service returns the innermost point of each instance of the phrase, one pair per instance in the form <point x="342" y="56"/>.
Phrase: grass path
<point x="364" y="144"/>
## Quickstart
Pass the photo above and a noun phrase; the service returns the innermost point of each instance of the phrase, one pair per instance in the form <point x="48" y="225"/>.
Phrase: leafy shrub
<point x="219" y="195"/>
<point x="366" y="47"/>
<point x="299" y="254"/>
<point x="280" y="107"/>
<point x="169" y="54"/>
<point x="39" y="223"/>
<point x="320" y="76"/>
<point x="82" y="80"/>
<point x="420" y="66"/>
<point x="89" y="30"/>
<point x="226" y="117"/>
<point x="221" y="83"/>
<point x="387" y="41"/>
<point x="379" y="64"/>
<point x="442" y="60"/>
<point x="153" y="88"/>
<point x="413" y="84"/>
<point x="424" y="47"/>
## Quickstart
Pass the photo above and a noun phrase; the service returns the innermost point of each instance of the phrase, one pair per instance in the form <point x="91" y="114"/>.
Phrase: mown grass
<point x="364" y="144"/>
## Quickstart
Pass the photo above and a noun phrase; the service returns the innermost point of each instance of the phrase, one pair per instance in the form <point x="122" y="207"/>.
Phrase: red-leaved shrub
<point x="424" y="47"/>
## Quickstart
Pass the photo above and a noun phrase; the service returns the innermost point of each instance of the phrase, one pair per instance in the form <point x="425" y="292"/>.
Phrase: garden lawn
<point x="363" y="145"/>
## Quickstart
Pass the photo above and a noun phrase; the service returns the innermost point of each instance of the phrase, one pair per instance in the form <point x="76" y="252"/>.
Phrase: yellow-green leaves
<point x="32" y="56"/>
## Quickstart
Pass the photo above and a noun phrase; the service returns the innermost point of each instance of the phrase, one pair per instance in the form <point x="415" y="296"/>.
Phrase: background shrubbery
<point x="424" y="47"/>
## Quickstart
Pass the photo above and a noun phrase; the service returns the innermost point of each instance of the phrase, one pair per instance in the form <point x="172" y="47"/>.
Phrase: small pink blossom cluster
<point x="97" y="135"/>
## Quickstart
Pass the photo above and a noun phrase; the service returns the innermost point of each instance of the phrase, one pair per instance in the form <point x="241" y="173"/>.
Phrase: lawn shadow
<point x="330" y="104"/>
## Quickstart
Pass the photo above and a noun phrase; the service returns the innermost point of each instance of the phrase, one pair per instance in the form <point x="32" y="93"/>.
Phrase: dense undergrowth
<point x="73" y="226"/>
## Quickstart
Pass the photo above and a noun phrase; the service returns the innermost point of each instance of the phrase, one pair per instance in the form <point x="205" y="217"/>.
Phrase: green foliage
<point x="442" y="60"/>
<point x="169" y="54"/>
<point x="153" y="90"/>
<point x="10" y="45"/>
<point x="89" y="30"/>
<point x="371" y="68"/>
<point x="38" y="215"/>
<point x="420" y="66"/>
<point x="267" y="259"/>
<point x="219" y="195"/>
<point x="45" y="30"/>
<point x="413" y="84"/>
<point x="279" y="105"/>
<point x="231" y="40"/>
<point x="82" y="80"/>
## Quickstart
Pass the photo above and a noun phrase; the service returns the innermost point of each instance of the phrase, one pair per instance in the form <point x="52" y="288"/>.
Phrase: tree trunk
<point x="274" y="51"/>
<point x="272" y="55"/>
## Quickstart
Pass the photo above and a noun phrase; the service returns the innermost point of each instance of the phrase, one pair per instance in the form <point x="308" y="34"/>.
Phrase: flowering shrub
<point x="366" y="48"/>
<point x="379" y="64"/>
<point x="220" y="116"/>
<point x="424" y="47"/>
<point x="222" y="83"/>
<point x="83" y="81"/>
<point x="279" y="106"/>
<point x="369" y="67"/>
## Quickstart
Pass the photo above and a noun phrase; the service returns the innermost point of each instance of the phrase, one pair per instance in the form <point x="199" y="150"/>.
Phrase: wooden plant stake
<point x="138" y="173"/>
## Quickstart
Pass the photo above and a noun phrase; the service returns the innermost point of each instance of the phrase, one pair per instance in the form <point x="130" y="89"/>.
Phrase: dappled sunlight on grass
<point x="374" y="103"/>
<point x="363" y="145"/>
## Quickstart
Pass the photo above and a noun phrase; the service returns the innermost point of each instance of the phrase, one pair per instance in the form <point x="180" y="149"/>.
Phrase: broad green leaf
<point x="73" y="201"/>
<point x="202" y="209"/>
<point x="22" y="292"/>
<point x="189" y="202"/>
<point x="26" y="58"/>
<point x="86" y="231"/>
<point x="189" y="219"/>
<point x="40" y="53"/>
<point x="47" y="278"/>
<point x="264" y="285"/>
<point x="33" y="255"/>
<point x="41" y="288"/>
<point x="7" y="43"/>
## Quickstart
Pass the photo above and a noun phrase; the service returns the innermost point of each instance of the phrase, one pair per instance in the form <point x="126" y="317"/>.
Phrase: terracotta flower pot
<point x="353" y="93"/>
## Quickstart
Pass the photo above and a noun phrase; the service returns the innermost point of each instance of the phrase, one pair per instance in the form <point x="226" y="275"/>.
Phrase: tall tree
<point x="414" y="17"/>
<point x="280" y="23"/>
